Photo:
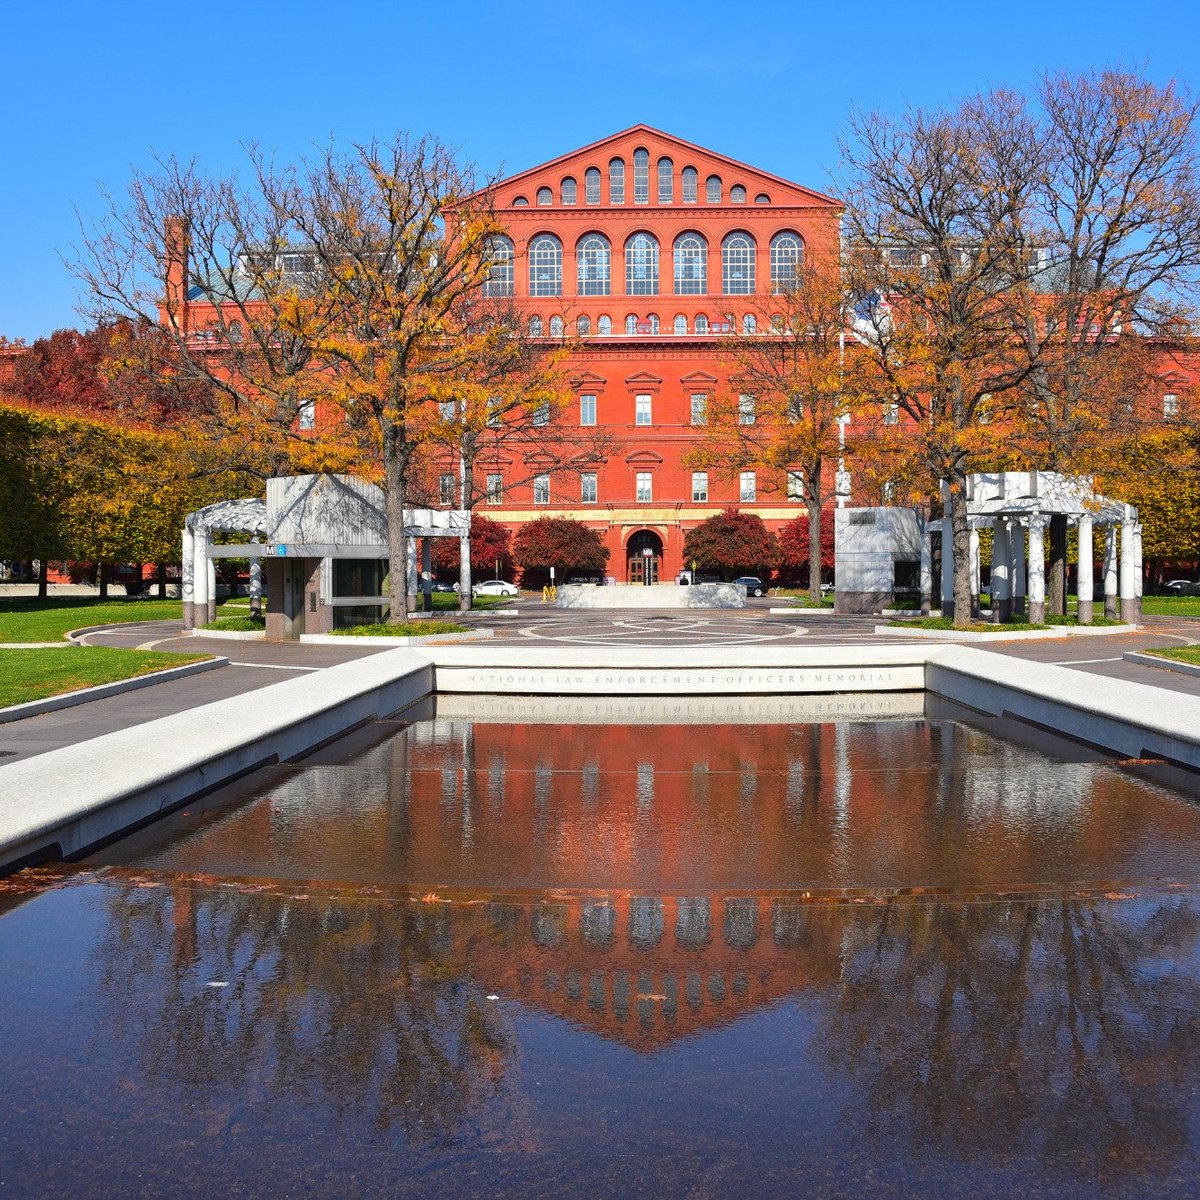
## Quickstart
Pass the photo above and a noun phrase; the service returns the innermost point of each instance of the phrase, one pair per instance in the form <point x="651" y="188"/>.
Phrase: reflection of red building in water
<point x="649" y="252"/>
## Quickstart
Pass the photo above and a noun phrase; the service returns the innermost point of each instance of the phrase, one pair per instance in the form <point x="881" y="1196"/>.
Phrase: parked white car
<point x="494" y="587"/>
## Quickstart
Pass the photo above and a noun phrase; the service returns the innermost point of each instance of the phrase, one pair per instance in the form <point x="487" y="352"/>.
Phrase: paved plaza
<point x="257" y="664"/>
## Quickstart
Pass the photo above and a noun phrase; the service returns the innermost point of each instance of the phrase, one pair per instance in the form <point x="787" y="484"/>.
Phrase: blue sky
<point x="90" y="91"/>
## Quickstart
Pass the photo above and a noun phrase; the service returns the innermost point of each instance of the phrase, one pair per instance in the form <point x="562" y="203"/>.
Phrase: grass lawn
<point x="237" y="621"/>
<point x="1187" y="654"/>
<point x="1171" y="606"/>
<point x="448" y="602"/>
<point x="974" y="627"/>
<point x="413" y="629"/>
<point x="34" y="674"/>
<point x="32" y="620"/>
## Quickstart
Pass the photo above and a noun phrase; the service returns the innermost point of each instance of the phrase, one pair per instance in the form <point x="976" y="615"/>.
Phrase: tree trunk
<point x="1056" y="570"/>
<point x="102" y="575"/>
<point x="43" y="578"/>
<point x="814" y="546"/>
<point x="961" y="538"/>
<point x="393" y="469"/>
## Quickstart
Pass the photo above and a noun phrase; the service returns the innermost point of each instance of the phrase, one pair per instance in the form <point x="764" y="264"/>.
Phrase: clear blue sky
<point x="89" y="91"/>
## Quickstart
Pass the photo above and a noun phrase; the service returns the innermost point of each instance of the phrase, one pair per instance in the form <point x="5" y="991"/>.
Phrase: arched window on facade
<point x="712" y="189"/>
<point x="545" y="266"/>
<point x="604" y="326"/>
<point x="616" y="181"/>
<point x="545" y="196"/>
<point x="737" y="265"/>
<point x="652" y="321"/>
<point x="520" y="202"/>
<point x="569" y="191"/>
<point x="737" y="194"/>
<point x="583" y="327"/>
<point x="641" y="177"/>
<point x="787" y="256"/>
<point x="500" y="272"/>
<point x="691" y="265"/>
<point x="681" y="324"/>
<point x="762" y="198"/>
<point x="591" y="185"/>
<point x="701" y="324"/>
<point x="688" y="182"/>
<point x="666" y="181"/>
<point x="631" y="324"/>
<point x="593" y="265"/>
<point x="749" y="323"/>
<point x="556" y="326"/>
<point x="641" y="266"/>
<point x="535" y="326"/>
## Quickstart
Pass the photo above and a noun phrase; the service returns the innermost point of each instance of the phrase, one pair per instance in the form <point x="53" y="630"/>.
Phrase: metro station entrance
<point x="643" y="557"/>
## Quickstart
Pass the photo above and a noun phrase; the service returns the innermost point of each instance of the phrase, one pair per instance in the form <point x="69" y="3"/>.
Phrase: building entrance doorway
<point x="643" y="557"/>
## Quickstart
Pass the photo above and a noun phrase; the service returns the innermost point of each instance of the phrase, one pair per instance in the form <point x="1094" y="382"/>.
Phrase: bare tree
<point x="328" y="301"/>
<point x="935" y="202"/>
<point x="1110" y="254"/>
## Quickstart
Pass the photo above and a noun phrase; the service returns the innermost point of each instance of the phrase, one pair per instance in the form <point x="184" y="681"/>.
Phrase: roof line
<point x="641" y="127"/>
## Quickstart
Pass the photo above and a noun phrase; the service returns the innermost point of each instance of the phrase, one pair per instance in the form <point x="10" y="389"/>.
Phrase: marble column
<point x="1128" y="573"/>
<point x="200" y="576"/>
<point x="926" y="567"/>
<point x="187" y="565"/>
<point x="947" y="568"/>
<point x="255" y="583"/>
<point x="427" y="574"/>
<point x="1137" y="568"/>
<point x="1110" y="572"/>
<point x="1001" y="572"/>
<point x="1017" y="554"/>
<point x="974" y="574"/>
<point x="1037" y="569"/>
<point x="1085" y="582"/>
<point x="212" y="589"/>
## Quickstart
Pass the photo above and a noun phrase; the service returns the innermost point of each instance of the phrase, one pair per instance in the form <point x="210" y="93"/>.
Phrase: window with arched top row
<point x="737" y="265"/>
<point x="641" y="265"/>
<point x="499" y="280"/>
<point x="593" y="266"/>
<point x="545" y="266"/>
<point x="787" y="257"/>
<point x="666" y="181"/>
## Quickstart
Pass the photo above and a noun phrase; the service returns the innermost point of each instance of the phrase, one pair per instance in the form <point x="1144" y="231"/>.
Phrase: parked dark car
<point x="753" y="585"/>
<point x="1182" y="587"/>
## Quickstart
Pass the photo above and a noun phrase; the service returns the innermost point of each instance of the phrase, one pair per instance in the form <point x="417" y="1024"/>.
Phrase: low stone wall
<point x="66" y="800"/>
<point x="662" y="595"/>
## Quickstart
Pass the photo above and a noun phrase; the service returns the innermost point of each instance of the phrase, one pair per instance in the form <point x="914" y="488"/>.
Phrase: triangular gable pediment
<point x="645" y="457"/>
<point x="1173" y="379"/>
<point x="698" y="379"/>
<point x="658" y="143"/>
<point x="644" y="378"/>
<point x="588" y="379"/>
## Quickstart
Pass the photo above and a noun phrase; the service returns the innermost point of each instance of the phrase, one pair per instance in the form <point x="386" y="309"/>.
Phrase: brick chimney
<point x="175" y="271"/>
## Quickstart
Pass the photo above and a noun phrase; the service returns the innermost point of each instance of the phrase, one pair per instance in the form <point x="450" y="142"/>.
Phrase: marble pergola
<point x="1017" y="506"/>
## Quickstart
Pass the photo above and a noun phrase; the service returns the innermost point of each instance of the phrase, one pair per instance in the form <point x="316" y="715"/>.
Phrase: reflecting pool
<point x="606" y="952"/>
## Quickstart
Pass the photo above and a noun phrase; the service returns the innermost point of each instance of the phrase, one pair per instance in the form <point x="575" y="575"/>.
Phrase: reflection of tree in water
<point x="1064" y="1031"/>
<point x="369" y="1003"/>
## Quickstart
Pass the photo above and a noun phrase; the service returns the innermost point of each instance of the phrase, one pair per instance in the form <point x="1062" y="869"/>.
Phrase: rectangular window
<point x="307" y="414"/>
<point x="587" y="410"/>
<point x="493" y="412"/>
<point x="746" y="410"/>
<point x="446" y="410"/>
<point x="1170" y="405"/>
<point x="699" y="408"/>
<point x="795" y="486"/>
<point x="495" y="489"/>
<point x="541" y="489"/>
<point x="541" y="414"/>
<point x="699" y="487"/>
<point x="446" y="488"/>
<point x="891" y="414"/>
<point x="795" y="408"/>
<point x="748" y="491"/>
<point x="645" y="487"/>
<point x="587" y="487"/>
<point x="641" y="410"/>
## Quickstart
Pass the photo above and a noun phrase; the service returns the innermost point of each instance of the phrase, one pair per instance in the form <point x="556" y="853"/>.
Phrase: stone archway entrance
<point x="643" y="558"/>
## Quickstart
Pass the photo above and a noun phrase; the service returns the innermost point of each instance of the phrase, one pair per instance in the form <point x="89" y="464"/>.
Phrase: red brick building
<point x="648" y="252"/>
